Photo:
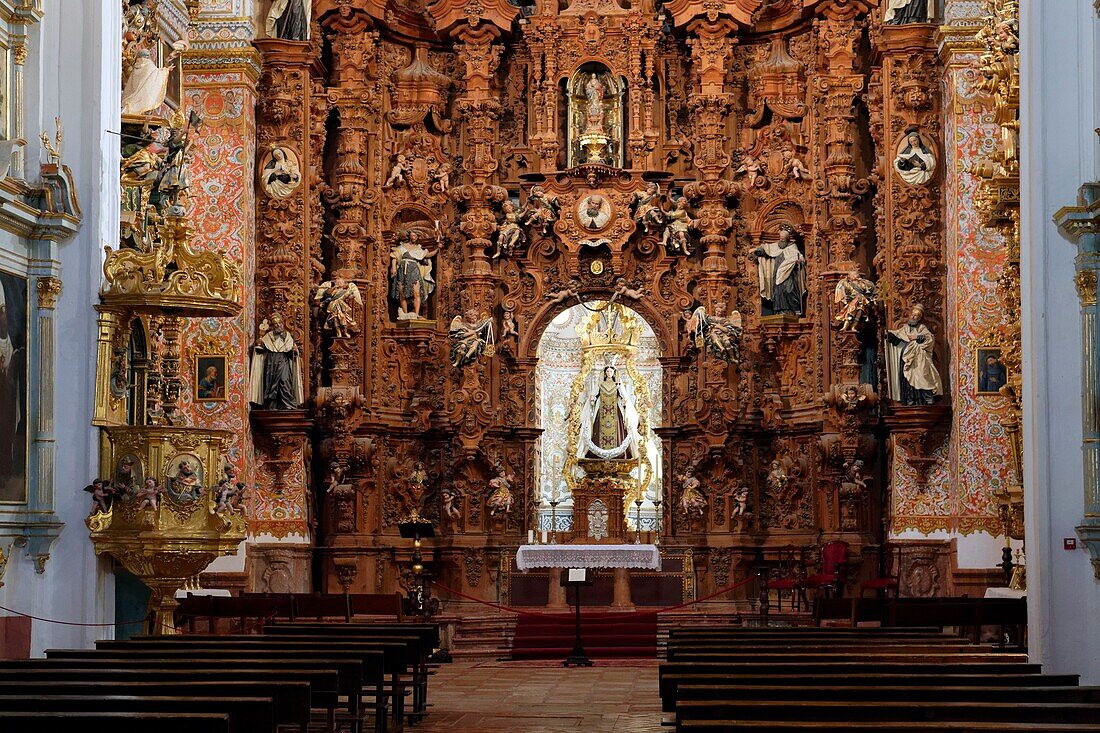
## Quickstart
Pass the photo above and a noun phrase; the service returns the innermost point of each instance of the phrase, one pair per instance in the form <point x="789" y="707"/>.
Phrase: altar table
<point x="617" y="557"/>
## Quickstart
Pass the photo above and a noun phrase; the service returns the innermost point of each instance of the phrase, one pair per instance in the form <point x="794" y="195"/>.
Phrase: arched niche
<point x="559" y="351"/>
<point x="595" y="121"/>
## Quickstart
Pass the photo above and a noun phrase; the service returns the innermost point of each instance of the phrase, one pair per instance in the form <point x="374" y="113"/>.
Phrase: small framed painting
<point x="990" y="372"/>
<point x="211" y="371"/>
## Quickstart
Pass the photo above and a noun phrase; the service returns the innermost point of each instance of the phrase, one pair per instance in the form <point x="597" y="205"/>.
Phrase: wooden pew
<point x="422" y="638"/>
<point x="849" y="711"/>
<point x="394" y="662"/>
<point x="291" y="697"/>
<point x="881" y="692"/>
<point x="774" y="726"/>
<point x="352" y="674"/>
<point x="736" y="656"/>
<point x="246" y="714"/>
<point x="323" y="684"/>
<point x="113" y="722"/>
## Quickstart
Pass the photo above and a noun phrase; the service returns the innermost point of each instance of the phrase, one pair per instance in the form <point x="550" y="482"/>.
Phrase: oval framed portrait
<point x="280" y="172"/>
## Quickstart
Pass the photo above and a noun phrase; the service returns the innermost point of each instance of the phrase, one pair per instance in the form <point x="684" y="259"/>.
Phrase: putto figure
<point x="336" y="297"/>
<point x="148" y="496"/>
<point x="692" y="501"/>
<point x="542" y="210"/>
<point x="500" y="499"/>
<point x="510" y="237"/>
<point x="782" y="274"/>
<point x="676" y="238"/>
<point x="719" y="334"/>
<point x="648" y="214"/>
<point x="228" y="493"/>
<point x="856" y="296"/>
<point x="103" y="495"/>
<point x="911" y="366"/>
<point x="411" y="281"/>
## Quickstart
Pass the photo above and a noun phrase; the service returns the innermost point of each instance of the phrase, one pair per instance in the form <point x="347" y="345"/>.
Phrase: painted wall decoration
<point x="13" y="388"/>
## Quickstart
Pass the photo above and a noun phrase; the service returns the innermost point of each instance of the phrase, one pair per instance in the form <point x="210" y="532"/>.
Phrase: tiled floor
<point x="542" y="697"/>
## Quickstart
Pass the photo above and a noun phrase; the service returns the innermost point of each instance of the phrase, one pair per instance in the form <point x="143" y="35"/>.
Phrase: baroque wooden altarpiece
<point x="440" y="116"/>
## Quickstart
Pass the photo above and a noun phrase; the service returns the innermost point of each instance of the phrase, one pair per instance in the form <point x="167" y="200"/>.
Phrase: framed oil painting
<point x="13" y="389"/>
<point x="990" y="373"/>
<point x="211" y="371"/>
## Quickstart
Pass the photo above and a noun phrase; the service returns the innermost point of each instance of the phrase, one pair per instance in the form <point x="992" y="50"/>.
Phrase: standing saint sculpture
<point x="911" y="366"/>
<point x="608" y="419"/>
<point x="289" y="19"/>
<point x="901" y="12"/>
<point x="781" y="268"/>
<point x="411" y="281"/>
<point x="275" y="382"/>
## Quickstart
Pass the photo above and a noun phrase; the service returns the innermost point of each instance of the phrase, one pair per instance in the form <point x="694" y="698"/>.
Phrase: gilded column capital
<point x="49" y="290"/>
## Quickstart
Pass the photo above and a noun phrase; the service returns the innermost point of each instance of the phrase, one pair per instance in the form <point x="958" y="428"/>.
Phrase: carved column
<point x="911" y="253"/>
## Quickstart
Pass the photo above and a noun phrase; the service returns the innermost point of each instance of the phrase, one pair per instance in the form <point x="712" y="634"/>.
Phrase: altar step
<point x="478" y="638"/>
<point x="603" y="636"/>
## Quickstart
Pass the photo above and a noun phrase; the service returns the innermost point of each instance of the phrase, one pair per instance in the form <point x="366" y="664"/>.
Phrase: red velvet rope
<point x="72" y="623"/>
<point x="591" y="616"/>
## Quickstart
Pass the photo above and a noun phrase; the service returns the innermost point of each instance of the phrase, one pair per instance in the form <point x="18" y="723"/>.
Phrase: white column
<point x="1058" y="115"/>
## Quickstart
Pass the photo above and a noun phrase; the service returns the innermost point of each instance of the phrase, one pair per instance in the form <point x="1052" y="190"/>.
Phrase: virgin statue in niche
<point x="608" y="418"/>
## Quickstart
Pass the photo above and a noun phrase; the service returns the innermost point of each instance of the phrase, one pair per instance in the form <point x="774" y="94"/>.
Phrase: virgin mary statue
<point x="609" y="419"/>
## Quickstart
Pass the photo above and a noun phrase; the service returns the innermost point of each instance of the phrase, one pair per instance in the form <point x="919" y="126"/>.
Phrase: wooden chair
<point x="889" y="583"/>
<point x="834" y="566"/>
<point x="792" y="578"/>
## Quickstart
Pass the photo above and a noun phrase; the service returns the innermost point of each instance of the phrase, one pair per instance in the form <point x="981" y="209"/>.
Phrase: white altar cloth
<point x="646" y="557"/>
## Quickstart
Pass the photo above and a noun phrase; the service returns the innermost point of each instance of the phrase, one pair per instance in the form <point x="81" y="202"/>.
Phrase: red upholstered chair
<point x="887" y="584"/>
<point x="791" y="579"/>
<point x="834" y="565"/>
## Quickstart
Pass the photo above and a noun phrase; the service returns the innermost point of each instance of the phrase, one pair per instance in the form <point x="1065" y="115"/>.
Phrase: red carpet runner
<point x="603" y="636"/>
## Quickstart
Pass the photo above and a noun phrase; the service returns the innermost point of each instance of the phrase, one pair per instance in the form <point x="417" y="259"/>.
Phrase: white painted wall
<point x="1058" y="114"/>
<point x="73" y="71"/>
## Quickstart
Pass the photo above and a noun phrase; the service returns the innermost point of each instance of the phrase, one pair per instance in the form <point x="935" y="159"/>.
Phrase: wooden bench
<point x="393" y="662"/>
<point x="113" y="722"/>
<point x="776" y="726"/>
<point x="882" y="692"/>
<point x="291" y="697"/>
<point x="323" y="684"/>
<point x="246" y="714"/>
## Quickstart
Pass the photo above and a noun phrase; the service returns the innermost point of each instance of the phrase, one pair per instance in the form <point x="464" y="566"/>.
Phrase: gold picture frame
<point x="209" y="377"/>
<point x="989" y="377"/>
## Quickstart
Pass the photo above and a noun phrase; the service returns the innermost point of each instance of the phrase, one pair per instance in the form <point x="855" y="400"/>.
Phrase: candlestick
<point x="638" y="522"/>
<point x="530" y="536"/>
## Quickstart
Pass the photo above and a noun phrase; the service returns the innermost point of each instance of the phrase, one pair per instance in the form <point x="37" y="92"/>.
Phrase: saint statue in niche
<point x="411" y="281"/>
<point x="910" y="365"/>
<point x="901" y="12"/>
<point x="594" y="111"/>
<point x="275" y="382"/>
<point x="609" y="436"/>
<point x="915" y="162"/>
<point x="782" y="274"/>
<point x="289" y="19"/>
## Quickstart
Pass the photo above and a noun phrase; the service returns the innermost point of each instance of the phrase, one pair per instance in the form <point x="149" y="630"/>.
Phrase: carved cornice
<point x="450" y="14"/>
<point x="243" y="59"/>
<point x="684" y="12"/>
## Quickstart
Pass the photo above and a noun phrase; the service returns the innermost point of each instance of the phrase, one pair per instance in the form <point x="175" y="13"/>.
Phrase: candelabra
<point x="554" y="521"/>
<point x="657" y="509"/>
<point x="638" y="522"/>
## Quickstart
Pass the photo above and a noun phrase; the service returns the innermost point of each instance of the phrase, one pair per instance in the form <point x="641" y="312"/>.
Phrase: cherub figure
<point x="335" y="298"/>
<point x="509" y="331"/>
<point x="402" y="168"/>
<point x="622" y="288"/>
<point x="647" y="210"/>
<point x="572" y="290"/>
<point x="794" y="166"/>
<point x="510" y="237"/>
<point x="740" y="508"/>
<point x="853" y="471"/>
<point x="851" y="400"/>
<point x="451" y="497"/>
<point x="228" y="493"/>
<point x="692" y="500"/>
<point x="675" y="237"/>
<point x="148" y="496"/>
<point x="541" y="211"/>
<point x="719" y="334"/>
<point x="103" y="495"/>
<point x="500" y="499"/>
<point x="753" y="170"/>
<point x="441" y="177"/>
<point x="469" y="339"/>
